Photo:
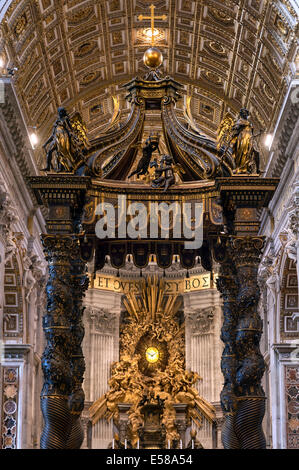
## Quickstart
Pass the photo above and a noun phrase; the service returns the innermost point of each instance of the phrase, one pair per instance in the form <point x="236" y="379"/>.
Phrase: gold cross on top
<point x="152" y="18"/>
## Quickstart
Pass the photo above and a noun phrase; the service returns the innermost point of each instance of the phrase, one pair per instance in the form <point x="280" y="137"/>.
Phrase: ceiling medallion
<point x="84" y="49"/>
<point x="148" y="33"/>
<point x="206" y="109"/>
<point x="274" y="63"/>
<point x="217" y="48"/>
<point x="245" y="67"/>
<point x="96" y="109"/>
<point x="20" y="25"/>
<point x="281" y="26"/>
<point x="80" y="16"/>
<point x="258" y="118"/>
<point x="221" y="16"/>
<point x="34" y="91"/>
<point x="43" y="116"/>
<point x="89" y="78"/>
<point x="268" y="92"/>
<point x="211" y="76"/>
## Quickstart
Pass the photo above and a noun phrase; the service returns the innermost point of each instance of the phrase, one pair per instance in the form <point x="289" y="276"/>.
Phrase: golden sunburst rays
<point x="152" y="302"/>
<point x="98" y="409"/>
<point x="206" y="408"/>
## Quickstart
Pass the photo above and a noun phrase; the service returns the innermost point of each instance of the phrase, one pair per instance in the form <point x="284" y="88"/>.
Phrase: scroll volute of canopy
<point x="205" y="167"/>
<point x="112" y="155"/>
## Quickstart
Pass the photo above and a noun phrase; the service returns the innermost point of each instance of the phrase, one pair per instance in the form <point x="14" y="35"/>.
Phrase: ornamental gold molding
<point x="176" y="286"/>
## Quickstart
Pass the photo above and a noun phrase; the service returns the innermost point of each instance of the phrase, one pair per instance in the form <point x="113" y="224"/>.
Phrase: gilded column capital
<point x="247" y="250"/>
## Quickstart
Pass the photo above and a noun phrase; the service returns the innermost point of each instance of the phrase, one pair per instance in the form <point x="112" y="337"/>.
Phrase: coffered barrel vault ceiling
<point x="78" y="53"/>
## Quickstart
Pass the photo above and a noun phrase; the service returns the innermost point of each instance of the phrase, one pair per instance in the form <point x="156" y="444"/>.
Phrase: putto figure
<point x="164" y="174"/>
<point x="64" y="144"/>
<point x="151" y="145"/>
<point x="237" y="135"/>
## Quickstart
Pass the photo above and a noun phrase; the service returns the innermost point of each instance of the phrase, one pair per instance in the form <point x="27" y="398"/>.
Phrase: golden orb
<point x="153" y="58"/>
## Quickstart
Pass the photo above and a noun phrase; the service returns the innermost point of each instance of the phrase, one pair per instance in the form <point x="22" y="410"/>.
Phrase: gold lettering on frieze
<point x="172" y="286"/>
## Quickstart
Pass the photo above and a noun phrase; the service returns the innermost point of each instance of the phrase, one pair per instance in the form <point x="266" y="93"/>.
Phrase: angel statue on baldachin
<point x="236" y="136"/>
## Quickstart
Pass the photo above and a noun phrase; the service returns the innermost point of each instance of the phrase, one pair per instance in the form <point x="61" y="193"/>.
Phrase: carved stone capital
<point x="200" y="320"/>
<point x="247" y="250"/>
<point x="102" y="320"/>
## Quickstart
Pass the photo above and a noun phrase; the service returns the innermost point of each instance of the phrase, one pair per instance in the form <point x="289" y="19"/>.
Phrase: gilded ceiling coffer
<point x="62" y="396"/>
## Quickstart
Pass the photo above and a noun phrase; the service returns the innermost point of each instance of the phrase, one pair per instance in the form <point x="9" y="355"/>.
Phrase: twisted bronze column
<point x="227" y="285"/>
<point x="56" y="362"/>
<point x="250" y="362"/>
<point x="76" y="401"/>
<point x="242" y="397"/>
<point x="62" y="397"/>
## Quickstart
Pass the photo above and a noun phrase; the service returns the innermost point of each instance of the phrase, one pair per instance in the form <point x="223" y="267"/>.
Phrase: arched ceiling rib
<point x="77" y="53"/>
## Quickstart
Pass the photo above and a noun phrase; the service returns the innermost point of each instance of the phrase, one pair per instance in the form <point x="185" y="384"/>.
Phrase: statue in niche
<point x="164" y="173"/>
<point x="237" y="135"/>
<point x="32" y="273"/>
<point x="67" y="143"/>
<point x="29" y="280"/>
<point x="11" y="247"/>
<point x="291" y="246"/>
<point x="151" y="145"/>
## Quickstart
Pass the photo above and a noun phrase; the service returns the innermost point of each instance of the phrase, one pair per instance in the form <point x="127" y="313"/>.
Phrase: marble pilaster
<point x="203" y="320"/>
<point x="101" y="349"/>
